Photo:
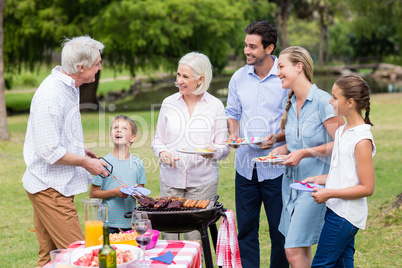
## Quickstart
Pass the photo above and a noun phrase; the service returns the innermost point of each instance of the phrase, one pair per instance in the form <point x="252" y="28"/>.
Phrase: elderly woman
<point x="191" y="118"/>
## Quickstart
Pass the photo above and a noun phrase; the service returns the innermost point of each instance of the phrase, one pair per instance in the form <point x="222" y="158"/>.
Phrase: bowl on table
<point x="136" y="252"/>
<point x="126" y="238"/>
<point x="154" y="239"/>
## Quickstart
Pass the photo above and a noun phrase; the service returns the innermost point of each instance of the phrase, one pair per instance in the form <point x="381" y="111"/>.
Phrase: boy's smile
<point x="121" y="133"/>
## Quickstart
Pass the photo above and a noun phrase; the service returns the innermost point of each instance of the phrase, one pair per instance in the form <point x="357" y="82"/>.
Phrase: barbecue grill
<point x="184" y="220"/>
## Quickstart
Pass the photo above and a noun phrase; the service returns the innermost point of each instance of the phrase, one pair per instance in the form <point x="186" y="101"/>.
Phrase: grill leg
<point x="214" y="234"/>
<point x="206" y="248"/>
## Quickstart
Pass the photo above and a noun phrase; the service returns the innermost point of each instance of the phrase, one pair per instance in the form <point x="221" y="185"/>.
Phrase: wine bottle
<point x="107" y="254"/>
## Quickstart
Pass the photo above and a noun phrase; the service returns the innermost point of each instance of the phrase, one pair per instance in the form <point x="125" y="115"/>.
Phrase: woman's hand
<point x="168" y="158"/>
<point x="321" y="195"/>
<point x="293" y="158"/>
<point x="270" y="141"/>
<point x="320" y="179"/>
<point x="211" y="148"/>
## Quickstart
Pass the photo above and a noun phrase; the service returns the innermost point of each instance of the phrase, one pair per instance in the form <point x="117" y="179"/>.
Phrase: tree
<point x="282" y="13"/>
<point x="158" y="33"/>
<point x="324" y="11"/>
<point x="377" y="28"/>
<point x="139" y="34"/>
<point x="4" y="134"/>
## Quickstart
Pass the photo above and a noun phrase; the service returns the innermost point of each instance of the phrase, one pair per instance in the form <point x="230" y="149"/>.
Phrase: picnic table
<point x="187" y="254"/>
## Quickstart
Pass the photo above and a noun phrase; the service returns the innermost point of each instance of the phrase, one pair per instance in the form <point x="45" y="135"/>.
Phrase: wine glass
<point x="143" y="231"/>
<point x="138" y="215"/>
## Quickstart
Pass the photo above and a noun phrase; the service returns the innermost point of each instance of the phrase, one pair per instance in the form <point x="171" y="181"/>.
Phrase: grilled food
<point x="172" y="202"/>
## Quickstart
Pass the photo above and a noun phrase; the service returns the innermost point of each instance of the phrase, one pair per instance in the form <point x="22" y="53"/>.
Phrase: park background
<point x="144" y="41"/>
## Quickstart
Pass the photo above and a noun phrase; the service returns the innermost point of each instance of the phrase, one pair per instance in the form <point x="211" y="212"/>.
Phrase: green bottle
<point x="107" y="254"/>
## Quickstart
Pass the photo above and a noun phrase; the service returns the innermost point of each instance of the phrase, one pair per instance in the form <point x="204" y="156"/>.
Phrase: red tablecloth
<point x="187" y="254"/>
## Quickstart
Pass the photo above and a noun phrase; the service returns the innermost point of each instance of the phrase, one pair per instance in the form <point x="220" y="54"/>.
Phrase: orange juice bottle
<point x="93" y="231"/>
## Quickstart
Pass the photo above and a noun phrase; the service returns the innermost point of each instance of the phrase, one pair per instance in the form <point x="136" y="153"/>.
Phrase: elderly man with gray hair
<point x="58" y="165"/>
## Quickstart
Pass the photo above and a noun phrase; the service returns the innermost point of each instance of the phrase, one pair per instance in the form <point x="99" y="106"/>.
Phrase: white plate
<point x="245" y="141"/>
<point x="130" y="190"/>
<point x="194" y="151"/>
<point x="269" y="159"/>
<point x="301" y="187"/>
<point x="136" y="251"/>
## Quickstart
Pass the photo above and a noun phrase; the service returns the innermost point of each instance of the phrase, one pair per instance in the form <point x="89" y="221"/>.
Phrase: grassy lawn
<point x="377" y="246"/>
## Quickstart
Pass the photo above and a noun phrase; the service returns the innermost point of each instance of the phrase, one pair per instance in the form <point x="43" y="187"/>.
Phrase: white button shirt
<point x="54" y="128"/>
<point x="177" y="129"/>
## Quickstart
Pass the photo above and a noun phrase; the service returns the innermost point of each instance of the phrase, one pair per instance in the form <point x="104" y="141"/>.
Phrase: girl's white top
<point x="343" y="173"/>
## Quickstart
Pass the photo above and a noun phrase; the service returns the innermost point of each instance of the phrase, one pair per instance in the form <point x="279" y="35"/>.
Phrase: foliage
<point x="304" y="33"/>
<point x="33" y="28"/>
<point x="160" y="32"/>
<point x="140" y="34"/>
<point x="377" y="28"/>
<point x="339" y="43"/>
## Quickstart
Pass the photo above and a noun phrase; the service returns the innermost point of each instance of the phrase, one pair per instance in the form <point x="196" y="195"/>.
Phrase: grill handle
<point x="222" y="212"/>
<point x="213" y="202"/>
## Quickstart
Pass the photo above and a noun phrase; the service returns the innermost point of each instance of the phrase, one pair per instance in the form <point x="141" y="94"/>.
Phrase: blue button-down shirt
<point x="258" y="105"/>
<point x="305" y="131"/>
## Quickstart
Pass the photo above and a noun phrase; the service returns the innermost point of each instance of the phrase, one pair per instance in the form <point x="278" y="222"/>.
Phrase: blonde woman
<point x="309" y="124"/>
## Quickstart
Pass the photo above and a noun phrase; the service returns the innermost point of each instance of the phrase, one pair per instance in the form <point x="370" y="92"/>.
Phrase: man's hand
<point x="233" y="137"/>
<point x="90" y="154"/>
<point x="95" y="166"/>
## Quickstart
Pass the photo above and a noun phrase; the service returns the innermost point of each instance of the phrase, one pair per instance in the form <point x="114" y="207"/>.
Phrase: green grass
<point x="377" y="246"/>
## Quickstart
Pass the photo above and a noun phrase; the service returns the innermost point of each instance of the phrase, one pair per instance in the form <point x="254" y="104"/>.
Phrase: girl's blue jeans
<point x="336" y="244"/>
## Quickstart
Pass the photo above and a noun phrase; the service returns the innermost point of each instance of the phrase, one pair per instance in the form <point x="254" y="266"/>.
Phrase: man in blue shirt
<point x="254" y="109"/>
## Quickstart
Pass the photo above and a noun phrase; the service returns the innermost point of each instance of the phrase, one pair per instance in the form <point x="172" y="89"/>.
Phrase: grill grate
<point x="141" y="208"/>
<point x="182" y="209"/>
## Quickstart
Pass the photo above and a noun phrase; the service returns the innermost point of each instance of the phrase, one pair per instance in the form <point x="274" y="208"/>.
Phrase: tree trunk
<point x="4" y="134"/>
<point x="327" y="54"/>
<point x="321" y="43"/>
<point x="285" y="16"/>
<point x="88" y="100"/>
<point x="282" y="15"/>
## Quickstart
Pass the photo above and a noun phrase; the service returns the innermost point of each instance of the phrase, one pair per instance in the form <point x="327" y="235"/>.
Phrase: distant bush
<point x="29" y="81"/>
<point x="8" y="80"/>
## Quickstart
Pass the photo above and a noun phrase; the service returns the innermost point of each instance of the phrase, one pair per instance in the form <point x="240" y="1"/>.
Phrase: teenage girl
<point x="351" y="176"/>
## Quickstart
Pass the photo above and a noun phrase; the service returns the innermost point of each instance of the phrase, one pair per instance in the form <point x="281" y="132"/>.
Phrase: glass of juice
<point x="93" y="231"/>
<point x="95" y="214"/>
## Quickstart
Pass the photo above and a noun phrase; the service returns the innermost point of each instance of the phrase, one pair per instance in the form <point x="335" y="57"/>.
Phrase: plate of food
<point x="131" y="190"/>
<point x="194" y="151"/>
<point x="126" y="256"/>
<point x="245" y="141"/>
<point x="270" y="159"/>
<point x="307" y="187"/>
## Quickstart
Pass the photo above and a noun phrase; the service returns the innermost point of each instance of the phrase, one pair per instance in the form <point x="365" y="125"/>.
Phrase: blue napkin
<point x="166" y="258"/>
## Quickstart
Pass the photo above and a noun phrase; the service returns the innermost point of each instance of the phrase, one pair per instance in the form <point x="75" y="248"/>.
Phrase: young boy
<point x="127" y="167"/>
